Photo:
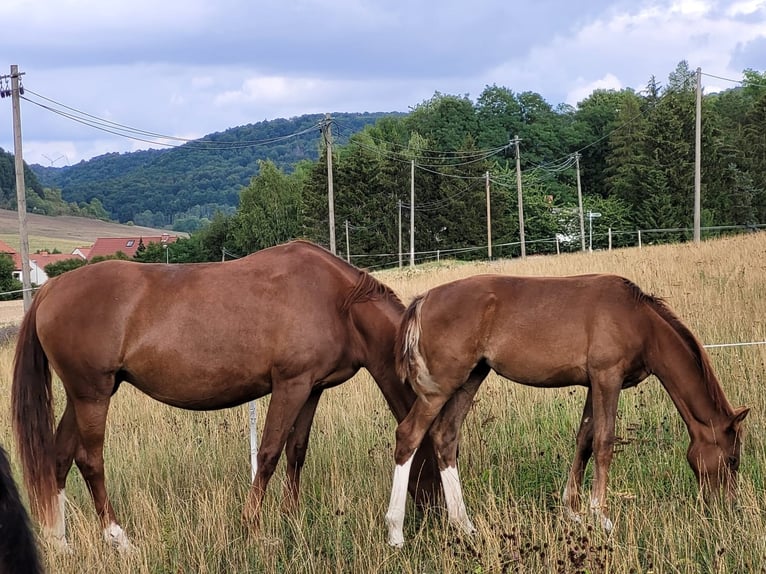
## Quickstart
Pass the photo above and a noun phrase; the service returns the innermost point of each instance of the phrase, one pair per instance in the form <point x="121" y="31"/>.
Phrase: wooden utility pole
<point x="412" y="213"/>
<point x="521" y="201"/>
<point x="579" y="202"/>
<point x="489" y="218"/>
<point x="698" y="158"/>
<point x="21" y="196"/>
<point x="399" y="209"/>
<point x="348" y="251"/>
<point x="327" y="131"/>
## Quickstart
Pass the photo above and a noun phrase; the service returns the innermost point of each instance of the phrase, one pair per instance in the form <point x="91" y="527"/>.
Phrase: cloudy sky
<point x="187" y="68"/>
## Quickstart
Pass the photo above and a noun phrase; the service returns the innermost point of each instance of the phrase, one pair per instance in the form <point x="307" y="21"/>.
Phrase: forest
<point x="634" y="150"/>
<point x="178" y="187"/>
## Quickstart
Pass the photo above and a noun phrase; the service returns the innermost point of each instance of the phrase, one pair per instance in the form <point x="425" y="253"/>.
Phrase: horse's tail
<point x="407" y="340"/>
<point x="18" y="551"/>
<point x="32" y="411"/>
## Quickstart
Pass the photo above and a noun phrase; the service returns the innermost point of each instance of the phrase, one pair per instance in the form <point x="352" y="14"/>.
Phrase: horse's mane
<point x="367" y="288"/>
<point x="692" y="343"/>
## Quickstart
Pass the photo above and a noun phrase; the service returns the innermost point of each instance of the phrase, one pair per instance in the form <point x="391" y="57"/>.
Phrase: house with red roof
<point x="106" y="246"/>
<point x="103" y="247"/>
<point x="37" y="262"/>
<point x="83" y="251"/>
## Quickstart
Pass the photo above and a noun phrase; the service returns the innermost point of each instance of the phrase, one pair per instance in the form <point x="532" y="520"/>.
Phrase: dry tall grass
<point x="178" y="479"/>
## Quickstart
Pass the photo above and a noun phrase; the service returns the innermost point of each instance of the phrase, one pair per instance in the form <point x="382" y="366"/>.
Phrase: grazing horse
<point x="18" y="550"/>
<point x="597" y="331"/>
<point x="291" y="320"/>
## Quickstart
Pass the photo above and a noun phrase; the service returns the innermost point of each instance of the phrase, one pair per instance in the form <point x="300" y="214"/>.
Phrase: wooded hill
<point x="160" y="187"/>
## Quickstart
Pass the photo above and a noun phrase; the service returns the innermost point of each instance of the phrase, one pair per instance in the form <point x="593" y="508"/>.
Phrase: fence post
<point x="253" y="419"/>
<point x="610" y="239"/>
<point x="639" y="239"/>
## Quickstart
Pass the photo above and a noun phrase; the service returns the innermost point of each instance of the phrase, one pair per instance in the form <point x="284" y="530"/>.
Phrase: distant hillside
<point x="155" y="187"/>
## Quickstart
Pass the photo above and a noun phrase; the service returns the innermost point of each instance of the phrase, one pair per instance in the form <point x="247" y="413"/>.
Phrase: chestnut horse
<point x="291" y="320"/>
<point x="597" y="331"/>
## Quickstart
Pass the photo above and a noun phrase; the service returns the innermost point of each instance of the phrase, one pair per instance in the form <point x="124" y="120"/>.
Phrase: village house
<point x="103" y="247"/>
<point x="106" y="246"/>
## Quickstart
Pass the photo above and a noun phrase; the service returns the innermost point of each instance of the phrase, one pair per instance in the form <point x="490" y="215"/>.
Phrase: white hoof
<point x="395" y="530"/>
<point x="115" y="536"/>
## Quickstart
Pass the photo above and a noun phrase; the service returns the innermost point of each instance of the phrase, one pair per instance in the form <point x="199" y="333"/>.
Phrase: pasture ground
<point x="178" y="479"/>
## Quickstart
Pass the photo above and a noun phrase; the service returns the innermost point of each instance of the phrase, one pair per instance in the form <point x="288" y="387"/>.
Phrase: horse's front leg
<point x="297" y="444"/>
<point x="584" y="448"/>
<point x="606" y="391"/>
<point x="287" y="399"/>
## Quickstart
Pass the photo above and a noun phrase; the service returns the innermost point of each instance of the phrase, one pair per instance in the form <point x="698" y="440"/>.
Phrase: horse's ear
<point x="739" y="415"/>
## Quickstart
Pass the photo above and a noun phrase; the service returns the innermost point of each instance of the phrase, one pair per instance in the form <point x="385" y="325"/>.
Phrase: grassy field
<point x="178" y="479"/>
<point x="65" y="233"/>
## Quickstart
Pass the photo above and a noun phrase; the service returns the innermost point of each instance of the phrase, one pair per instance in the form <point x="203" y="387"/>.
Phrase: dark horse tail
<point x="407" y="339"/>
<point x="18" y="551"/>
<point x="32" y="411"/>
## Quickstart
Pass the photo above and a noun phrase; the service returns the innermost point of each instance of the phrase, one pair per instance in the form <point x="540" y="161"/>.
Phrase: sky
<point x="187" y="68"/>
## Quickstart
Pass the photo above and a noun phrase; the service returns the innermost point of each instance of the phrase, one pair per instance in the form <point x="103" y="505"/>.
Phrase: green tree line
<point x="636" y="157"/>
<point x="635" y="152"/>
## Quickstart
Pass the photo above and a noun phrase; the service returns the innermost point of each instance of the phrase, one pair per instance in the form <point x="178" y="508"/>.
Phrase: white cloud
<point x="625" y="48"/>
<point x="745" y="8"/>
<point x="584" y="89"/>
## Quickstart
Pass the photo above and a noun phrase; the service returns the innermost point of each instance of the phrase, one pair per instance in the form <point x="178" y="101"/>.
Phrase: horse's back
<point x="199" y="326"/>
<point x="538" y="330"/>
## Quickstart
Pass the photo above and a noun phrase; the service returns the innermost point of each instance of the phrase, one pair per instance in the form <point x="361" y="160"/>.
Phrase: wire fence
<point x="595" y="241"/>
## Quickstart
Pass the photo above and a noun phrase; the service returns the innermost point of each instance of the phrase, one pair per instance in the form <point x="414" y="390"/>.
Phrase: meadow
<point x="178" y="479"/>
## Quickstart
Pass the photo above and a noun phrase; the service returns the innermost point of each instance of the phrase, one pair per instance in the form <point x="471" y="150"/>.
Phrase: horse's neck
<point x="698" y="400"/>
<point x="376" y="322"/>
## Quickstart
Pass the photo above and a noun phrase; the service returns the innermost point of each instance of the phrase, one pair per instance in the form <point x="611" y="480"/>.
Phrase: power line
<point x="136" y="134"/>
<point x="744" y="82"/>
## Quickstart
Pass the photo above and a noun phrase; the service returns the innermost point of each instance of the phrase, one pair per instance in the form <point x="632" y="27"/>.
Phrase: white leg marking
<point x="56" y="534"/>
<point x="595" y="507"/>
<point x="396" y="507"/>
<point x="117" y="538"/>
<point x="453" y="495"/>
<point x="571" y="514"/>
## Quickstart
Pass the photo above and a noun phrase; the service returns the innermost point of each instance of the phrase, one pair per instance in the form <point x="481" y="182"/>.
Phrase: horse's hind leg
<point x="297" y="444"/>
<point x="67" y="439"/>
<point x="445" y="433"/>
<point x="409" y="435"/>
<point x="583" y="451"/>
<point x="89" y="457"/>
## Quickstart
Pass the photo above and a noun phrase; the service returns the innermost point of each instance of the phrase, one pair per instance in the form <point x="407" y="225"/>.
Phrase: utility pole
<point x="489" y="218"/>
<point x="327" y="131"/>
<point x="21" y="196"/>
<point x="399" y="209"/>
<point x="348" y="252"/>
<point x="698" y="158"/>
<point x="579" y="202"/>
<point x="412" y="213"/>
<point x="521" y="202"/>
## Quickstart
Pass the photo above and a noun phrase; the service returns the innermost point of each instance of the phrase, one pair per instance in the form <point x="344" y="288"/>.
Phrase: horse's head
<point x="714" y="458"/>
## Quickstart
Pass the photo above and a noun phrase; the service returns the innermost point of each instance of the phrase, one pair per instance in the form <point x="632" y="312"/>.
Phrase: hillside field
<point x="178" y="479"/>
<point x="65" y="233"/>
